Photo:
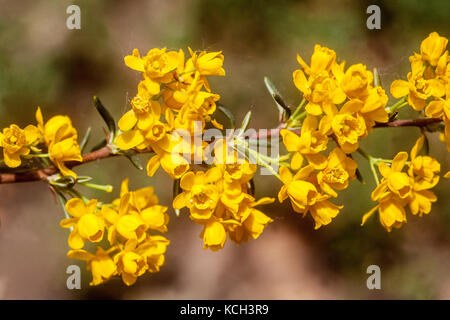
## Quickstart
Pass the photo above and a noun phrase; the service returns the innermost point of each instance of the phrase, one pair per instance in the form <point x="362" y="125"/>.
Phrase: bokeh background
<point x="43" y="63"/>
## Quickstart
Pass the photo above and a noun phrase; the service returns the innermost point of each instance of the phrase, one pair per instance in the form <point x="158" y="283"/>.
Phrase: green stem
<point x="399" y="104"/>
<point x="374" y="171"/>
<point x="106" y="188"/>
<point x="372" y="163"/>
<point x="297" y="117"/>
<point x="38" y="155"/>
<point x="260" y="161"/>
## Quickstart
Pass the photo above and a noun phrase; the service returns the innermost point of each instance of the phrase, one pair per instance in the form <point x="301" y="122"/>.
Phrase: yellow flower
<point x="153" y="249"/>
<point x="423" y="169"/>
<point x="157" y="66"/>
<point x="61" y="139"/>
<point x="101" y="264"/>
<point x="338" y="171"/>
<point x="321" y="89"/>
<point x="168" y="157"/>
<point x="419" y="87"/>
<point x="138" y="211"/>
<point x="439" y="108"/>
<point x="310" y="142"/>
<point x="374" y="109"/>
<point x="424" y="172"/>
<point x="322" y="93"/>
<point x="206" y="63"/>
<point x="200" y="194"/>
<point x="130" y="264"/>
<point x="56" y="128"/>
<point x="214" y="235"/>
<point x="394" y="180"/>
<point x="321" y="60"/>
<point x="391" y="212"/>
<point x="305" y="197"/>
<point x="144" y="112"/>
<point x="348" y="125"/>
<point x="232" y="195"/>
<point x="432" y="48"/>
<point x="252" y="221"/>
<point x="87" y="224"/>
<point x="16" y="142"/>
<point x="64" y="151"/>
<point x="356" y="81"/>
<point x="241" y="172"/>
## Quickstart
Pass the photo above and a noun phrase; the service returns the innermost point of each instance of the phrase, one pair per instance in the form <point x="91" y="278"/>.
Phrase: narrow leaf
<point x="228" y="114"/>
<point x="251" y="187"/>
<point x="109" y="120"/>
<point x="85" y="140"/>
<point x="246" y="121"/>
<point x="134" y="159"/>
<point x="376" y="78"/>
<point x="359" y="176"/>
<point x="283" y="108"/>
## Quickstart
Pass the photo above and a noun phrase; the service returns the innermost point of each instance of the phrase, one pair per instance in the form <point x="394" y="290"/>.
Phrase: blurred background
<point x="43" y="63"/>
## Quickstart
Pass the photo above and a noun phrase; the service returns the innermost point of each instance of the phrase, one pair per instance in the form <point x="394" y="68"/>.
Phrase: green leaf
<point x="83" y="179"/>
<point x="359" y="176"/>
<point x="251" y="187"/>
<point x="86" y="137"/>
<point x="227" y="114"/>
<point x="109" y="120"/>
<point x="376" y="78"/>
<point x="246" y="121"/>
<point x="134" y="159"/>
<point x="283" y="108"/>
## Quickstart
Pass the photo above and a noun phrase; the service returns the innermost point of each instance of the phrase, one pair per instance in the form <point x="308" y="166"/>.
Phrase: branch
<point x="397" y="123"/>
<point x="105" y="152"/>
<point x="43" y="174"/>
<point x="409" y="123"/>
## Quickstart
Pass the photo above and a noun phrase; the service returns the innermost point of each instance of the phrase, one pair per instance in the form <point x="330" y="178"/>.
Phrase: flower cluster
<point x="57" y="134"/>
<point x="428" y="84"/>
<point x="399" y="189"/>
<point x="309" y="189"/>
<point x="128" y="223"/>
<point x="347" y="100"/>
<point x="169" y="117"/>
<point x="220" y="200"/>
<point x="174" y="95"/>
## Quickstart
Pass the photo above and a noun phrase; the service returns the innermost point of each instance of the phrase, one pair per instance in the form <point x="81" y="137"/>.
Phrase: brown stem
<point x="43" y="174"/>
<point x="397" y="123"/>
<point x="409" y="123"/>
<point x="105" y="152"/>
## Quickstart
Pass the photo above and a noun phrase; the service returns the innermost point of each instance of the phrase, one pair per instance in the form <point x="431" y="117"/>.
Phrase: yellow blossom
<point x="305" y="197"/>
<point x="16" y="142"/>
<point x="200" y="193"/>
<point x="356" y="81"/>
<point x="157" y="66"/>
<point x="309" y="144"/>
<point x="207" y="63"/>
<point x="432" y="48"/>
<point x="252" y="221"/>
<point x="61" y="139"/>
<point x="339" y="170"/>
<point x="214" y="235"/>
<point x="348" y="125"/>
<point x="130" y="264"/>
<point x="101" y="264"/>
<point x="87" y="224"/>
